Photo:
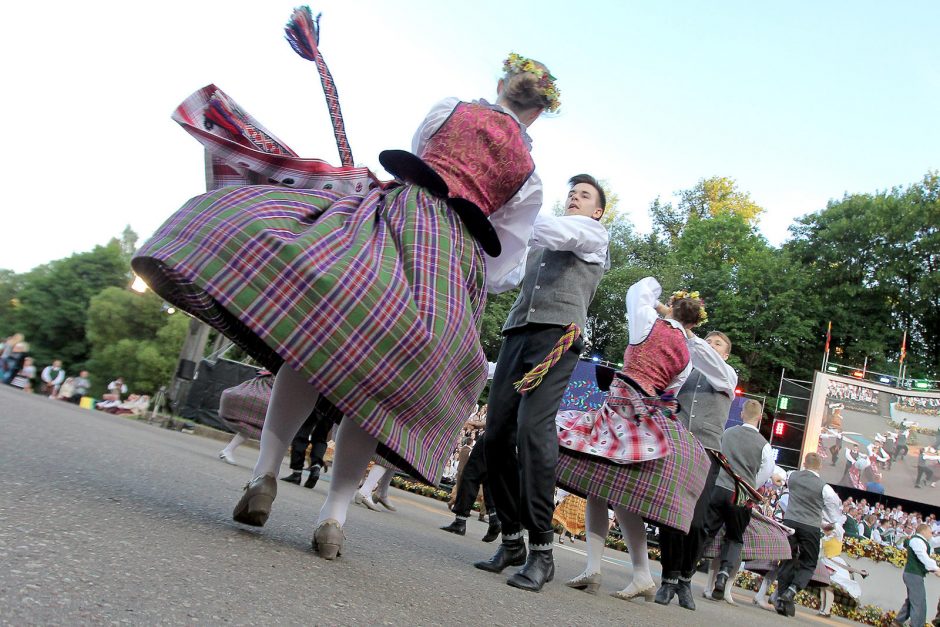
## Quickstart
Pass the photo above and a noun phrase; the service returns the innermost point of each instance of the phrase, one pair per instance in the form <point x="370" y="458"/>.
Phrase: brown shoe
<point x="255" y="505"/>
<point x="383" y="500"/>
<point x="328" y="539"/>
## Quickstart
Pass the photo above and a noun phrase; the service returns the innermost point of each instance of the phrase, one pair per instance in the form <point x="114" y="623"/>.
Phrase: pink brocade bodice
<point x="482" y="154"/>
<point x="657" y="360"/>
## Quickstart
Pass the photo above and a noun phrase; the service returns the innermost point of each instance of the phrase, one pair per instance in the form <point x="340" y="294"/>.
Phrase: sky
<point x="800" y="102"/>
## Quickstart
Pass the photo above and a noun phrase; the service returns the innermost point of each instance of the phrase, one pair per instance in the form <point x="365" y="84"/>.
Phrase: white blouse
<point x="641" y="315"/>
<point x="513" y="222"/>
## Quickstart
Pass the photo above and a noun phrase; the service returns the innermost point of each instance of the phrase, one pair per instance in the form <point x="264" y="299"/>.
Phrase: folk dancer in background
<point x="632" y="455"/>
<point x="705" y="401"/>
<point x="811" y="499"/>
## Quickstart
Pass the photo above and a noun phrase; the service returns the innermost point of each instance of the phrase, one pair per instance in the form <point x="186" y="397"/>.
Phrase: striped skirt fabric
<point x="376" y="299"/>
<point x="243" y="407"/>
<point x="663" y="491"/>
<point x="763" y="540"/>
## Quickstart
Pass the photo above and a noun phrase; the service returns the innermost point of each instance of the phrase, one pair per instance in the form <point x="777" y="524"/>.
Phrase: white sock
<point x="372" y="481"/>
<point x="385" y="482"/>
<point x="354" y="449"/>
<point x="597" y="525"/>
<point x="237" y="441"/>
<point x="764" y="587"/>
<point x="292" y="400"/>
<point x="634" y="534"/>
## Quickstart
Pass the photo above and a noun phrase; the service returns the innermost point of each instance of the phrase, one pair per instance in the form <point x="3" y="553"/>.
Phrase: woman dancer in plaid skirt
<point x="373" y="301"/>
<point x="631" y="455"/>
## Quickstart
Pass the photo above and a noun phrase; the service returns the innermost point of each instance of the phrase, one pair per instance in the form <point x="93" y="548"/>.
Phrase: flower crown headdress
<point x="702" y="314"/>
<point x="516" y="63"/>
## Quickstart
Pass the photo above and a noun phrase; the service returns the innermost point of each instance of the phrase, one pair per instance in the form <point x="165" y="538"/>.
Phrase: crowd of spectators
<point x="18" y="370"/>
<point x="890" y="526"/>
<point x="919" y="405"/>
<point x="854" y="393"/>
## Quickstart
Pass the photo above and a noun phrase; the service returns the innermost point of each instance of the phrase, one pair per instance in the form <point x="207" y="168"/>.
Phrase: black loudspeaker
<point x="186" y="370"/>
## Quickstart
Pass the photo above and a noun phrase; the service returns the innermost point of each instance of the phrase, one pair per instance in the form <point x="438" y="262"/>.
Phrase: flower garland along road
<point x="866" y="614"/>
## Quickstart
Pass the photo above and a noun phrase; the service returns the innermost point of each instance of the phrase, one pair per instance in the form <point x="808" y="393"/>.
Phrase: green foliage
<point x="132" y="337"/>
<point x="495" y="314"/>
<point x="53" y="302"/>
<point x="876" y="258"/>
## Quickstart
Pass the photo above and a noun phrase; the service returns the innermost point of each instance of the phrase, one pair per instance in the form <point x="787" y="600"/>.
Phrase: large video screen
<point x="877" y="438"/>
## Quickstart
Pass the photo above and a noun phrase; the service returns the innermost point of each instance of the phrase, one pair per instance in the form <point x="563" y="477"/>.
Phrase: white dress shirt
<point x="713" y="366"/>
<point x="921" y="549"/>
<point x="585" y="237"/>
<point x="513" y="222"/>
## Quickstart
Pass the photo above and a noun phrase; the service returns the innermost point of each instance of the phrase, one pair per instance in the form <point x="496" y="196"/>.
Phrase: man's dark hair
<point x="590" y="180"/>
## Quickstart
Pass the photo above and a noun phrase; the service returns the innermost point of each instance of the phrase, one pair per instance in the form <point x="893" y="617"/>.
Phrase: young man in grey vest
<point x="566" y="260"/>
<point x="752" y="459"/>
<point x="704" y="403"/>
<point x="919" y="563"/>
<point x="810" y="499"/>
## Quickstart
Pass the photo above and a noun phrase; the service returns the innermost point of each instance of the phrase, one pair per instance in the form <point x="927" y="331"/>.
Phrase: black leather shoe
<point x="511" y="553"/>
<point x="459" y="526"/>
<point x="684" y="594"/>
<point x="718" y="593"/>
<point x="539" y="569"/>
<point x="784" y="603"/>
<point x="313" y="477"/>
<point x="665" y="593"/>
<point x="293" y="477"/>
<point x="494" y="530"/>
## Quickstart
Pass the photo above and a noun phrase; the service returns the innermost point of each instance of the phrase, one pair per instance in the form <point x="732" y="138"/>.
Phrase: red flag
<point x="828" y="336"/>
<point x="903" y="348"/>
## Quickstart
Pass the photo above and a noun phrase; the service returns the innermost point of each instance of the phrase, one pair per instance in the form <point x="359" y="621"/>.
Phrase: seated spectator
<point x="52" y="377"/>
<point x="116" y="389"/>
<point x="80" y="387"/>
<point x="23" y="378"/>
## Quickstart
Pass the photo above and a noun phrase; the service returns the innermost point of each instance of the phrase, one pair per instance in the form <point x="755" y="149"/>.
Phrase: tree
<point x="709" y="198"/>
<point x="53" y="301"/>
<point x="131" y="336"/>
<point x="876" y="257"/>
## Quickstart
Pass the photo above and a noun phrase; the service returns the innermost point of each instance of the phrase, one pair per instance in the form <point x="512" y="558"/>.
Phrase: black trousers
<point x="472" y="477"/>
<point x="316" y="430"/>
<point x="680" y="552"/>
<point x="923" y="472"/>
<point x="722" y="512"/>
<point x="798" y="571"/>
<point x="521" y="439"/>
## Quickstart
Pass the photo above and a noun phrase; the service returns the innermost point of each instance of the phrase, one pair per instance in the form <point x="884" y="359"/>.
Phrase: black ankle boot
<point x="494" y="530"/>
<point x="684" y="593"/>
<point x="718" y="593"/>
<point x="459" y="526"/>
<point x="667" y="590"/>
<point x="293" y="477"/>
<point x="509" y="553"/>
<point x="539" y="569"/>
<point x="784" y="604"/>
<point x="313" y="477"/>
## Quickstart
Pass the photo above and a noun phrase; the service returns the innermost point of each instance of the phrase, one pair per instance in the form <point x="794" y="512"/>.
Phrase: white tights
<point x="634" y="534"/>
<point x="292" y="400"/>
<point x="378" y="481"/>
<point x="237" y="441"/>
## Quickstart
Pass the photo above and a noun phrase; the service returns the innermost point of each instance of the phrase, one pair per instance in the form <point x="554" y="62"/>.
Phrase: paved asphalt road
<point x="109" y="520"/>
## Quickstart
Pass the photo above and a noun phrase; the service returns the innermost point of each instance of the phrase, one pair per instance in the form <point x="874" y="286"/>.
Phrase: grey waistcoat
<point x="703" y="410"/>
<point x="557" y="289"/>
<point x="743" y="447"/>
<point x="806" y="500"/>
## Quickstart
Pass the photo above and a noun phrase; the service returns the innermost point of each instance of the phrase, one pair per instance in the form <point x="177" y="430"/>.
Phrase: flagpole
<point x="826" y="352"/>
<point x="903" y="355"/>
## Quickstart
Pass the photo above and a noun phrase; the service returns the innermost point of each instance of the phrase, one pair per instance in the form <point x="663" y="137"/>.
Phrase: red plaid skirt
<point x="622" y="430"/>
